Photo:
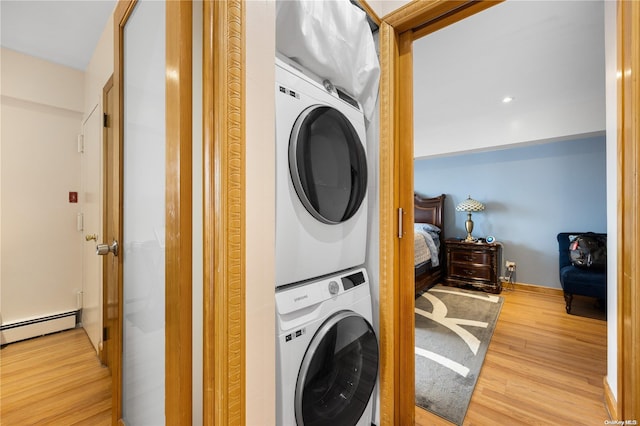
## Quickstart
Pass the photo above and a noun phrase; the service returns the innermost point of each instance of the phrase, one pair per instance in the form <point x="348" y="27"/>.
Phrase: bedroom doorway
<point x="396" y="199"/>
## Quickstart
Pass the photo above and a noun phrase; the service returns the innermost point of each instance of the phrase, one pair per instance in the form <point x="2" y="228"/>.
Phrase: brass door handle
<point x="90" y="237"/>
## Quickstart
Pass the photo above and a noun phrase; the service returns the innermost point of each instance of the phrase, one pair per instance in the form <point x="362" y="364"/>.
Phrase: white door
<point x="92" y="226"/>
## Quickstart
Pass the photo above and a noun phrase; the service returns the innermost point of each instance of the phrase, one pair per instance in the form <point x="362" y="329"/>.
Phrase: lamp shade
<point x="470" y="205"/>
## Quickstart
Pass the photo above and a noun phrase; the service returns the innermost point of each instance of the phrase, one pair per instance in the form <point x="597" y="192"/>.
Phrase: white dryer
<point x="321" y="177"/>
<point x="327" y="352"/>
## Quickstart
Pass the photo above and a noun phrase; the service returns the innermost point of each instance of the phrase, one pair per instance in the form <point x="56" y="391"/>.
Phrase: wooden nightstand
<point x="475" y="264"/>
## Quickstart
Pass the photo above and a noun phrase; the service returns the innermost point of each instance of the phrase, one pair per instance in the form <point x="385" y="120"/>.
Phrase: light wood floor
<point x="543" y="367"/>
<point x="54" y="380"/>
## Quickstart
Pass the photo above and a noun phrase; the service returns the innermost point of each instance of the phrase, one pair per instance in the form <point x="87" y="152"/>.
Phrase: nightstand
<point x="475" y="264"/>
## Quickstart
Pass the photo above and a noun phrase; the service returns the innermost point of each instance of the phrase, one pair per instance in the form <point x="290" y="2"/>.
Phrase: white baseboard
<point x="21" y="330"/>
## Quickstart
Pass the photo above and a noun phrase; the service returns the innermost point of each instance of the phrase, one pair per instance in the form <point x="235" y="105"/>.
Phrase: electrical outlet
<point x="510" y="264"/>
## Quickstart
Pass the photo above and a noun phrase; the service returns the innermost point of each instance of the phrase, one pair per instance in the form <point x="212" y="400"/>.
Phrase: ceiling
<point x="548" y="55"/>
<point x="64" y="32"/>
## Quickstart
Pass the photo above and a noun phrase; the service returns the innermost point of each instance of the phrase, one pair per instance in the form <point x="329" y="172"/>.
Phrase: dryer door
<point x="328" y="164"/>
<point x="338" y="372"/>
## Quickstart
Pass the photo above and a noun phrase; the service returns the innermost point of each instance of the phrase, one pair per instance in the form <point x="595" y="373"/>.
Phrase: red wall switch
<point x="73" y="197"/>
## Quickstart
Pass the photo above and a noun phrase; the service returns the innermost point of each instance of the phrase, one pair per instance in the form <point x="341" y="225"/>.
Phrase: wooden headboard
<point x="429" y="210"/>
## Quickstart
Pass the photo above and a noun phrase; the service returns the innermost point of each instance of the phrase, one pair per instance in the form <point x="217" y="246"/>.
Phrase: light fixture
<point x="507" y="99"/>
<point x="469" y="205"/>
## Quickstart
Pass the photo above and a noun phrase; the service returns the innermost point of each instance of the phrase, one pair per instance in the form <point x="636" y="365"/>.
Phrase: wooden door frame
<point x="224" y="192"/>
<point x="106" y="354"/>
<point x="397" y="32"/>
<point x="178" y="209"/>
<point x="224" y="212"/>
<point x="121" y="14"/>
<point x="628" y="111"/>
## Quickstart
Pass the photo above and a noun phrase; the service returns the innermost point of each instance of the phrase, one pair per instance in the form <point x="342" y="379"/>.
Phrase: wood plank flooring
<point x="54" y="380"/>
<point x="542" y="367"/>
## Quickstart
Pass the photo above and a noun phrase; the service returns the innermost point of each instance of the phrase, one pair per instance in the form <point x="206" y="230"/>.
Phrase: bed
<point x="428" y="225"/>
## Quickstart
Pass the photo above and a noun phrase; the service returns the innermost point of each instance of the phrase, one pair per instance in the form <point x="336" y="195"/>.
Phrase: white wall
<point x="610" y="29"/>
<point x="42" y="106"/>
<point x="547" y="55"/>
<point x="384" y="7"/>
<point x="99" y="69"/>
<point x="260" y="213"/>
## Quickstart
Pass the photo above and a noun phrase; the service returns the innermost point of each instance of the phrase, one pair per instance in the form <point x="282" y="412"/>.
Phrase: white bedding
<point x="426" y="244"/>
<point x="420" y="248"/>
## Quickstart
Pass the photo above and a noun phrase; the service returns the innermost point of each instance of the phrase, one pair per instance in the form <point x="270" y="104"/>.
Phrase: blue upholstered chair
<point x="580" y="281"/>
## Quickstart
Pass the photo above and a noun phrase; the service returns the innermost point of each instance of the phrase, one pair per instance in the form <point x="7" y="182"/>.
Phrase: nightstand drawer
<point x="470" y="256"/>
<point x="473" y="263"/>
<point x="466" y="271"/>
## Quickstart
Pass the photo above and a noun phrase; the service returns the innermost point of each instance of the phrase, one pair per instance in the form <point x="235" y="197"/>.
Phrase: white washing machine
<point x="327" y="352"/>
<point x="321" y="177"/>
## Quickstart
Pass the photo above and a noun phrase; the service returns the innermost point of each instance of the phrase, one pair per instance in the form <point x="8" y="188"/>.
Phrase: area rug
<point x="453" y="331"/>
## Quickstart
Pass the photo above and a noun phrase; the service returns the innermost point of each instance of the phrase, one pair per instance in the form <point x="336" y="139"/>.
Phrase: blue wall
<point x="530" y="194"/>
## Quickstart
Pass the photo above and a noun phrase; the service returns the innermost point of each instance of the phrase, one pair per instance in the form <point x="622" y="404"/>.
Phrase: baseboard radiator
<point x="35" y="327"/>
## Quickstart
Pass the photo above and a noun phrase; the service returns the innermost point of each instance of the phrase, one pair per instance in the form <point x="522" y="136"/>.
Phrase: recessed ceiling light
<point x="507" y="99"/>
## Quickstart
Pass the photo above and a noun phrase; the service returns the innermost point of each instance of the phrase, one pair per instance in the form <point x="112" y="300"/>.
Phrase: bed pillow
<point x="427" y="227"/>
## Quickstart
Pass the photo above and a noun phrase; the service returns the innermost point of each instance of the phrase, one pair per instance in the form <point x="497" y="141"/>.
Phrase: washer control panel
<point x="307" y="294"/>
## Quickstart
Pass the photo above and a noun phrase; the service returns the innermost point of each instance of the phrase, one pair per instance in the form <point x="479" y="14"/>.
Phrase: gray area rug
<point x="453" y="331"/>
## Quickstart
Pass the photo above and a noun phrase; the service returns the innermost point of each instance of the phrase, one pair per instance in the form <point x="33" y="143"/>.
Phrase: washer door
<point x="338" y="372"/>
<point x="328" y="164"/>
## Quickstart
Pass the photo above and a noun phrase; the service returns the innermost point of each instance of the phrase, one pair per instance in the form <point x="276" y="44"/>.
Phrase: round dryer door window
<point x="338" y="372"/>
<point x="328" y="164"/>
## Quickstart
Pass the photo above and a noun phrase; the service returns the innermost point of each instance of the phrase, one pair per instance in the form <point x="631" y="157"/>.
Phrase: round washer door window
<point x="338" y="372"/>
<point x="328" y="164"/>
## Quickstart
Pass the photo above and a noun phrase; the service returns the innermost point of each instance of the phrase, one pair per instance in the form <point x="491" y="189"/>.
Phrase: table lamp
<point x="469" y="205"/>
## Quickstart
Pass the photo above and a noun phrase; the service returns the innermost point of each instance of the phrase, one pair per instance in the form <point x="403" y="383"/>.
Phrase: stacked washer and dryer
<point x="327" y="351"/>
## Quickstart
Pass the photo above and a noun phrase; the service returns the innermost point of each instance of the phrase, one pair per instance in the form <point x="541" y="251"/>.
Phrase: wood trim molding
<point x="121" y="15"/>
<point x="178" y="264"/>
<point x="388" y="242"/>
<point x="396" y="190"/>
<point x="628" y="111"/>
<point x="224" y="212"/>
<point x="537" y="289"/>
<point x="609" y="400"/>
<point x="109" y="302"/>
<point x="178" y="216"/>
<point x="453" y="16"/>
<point x="424" y="17"/>
<point x="416" y="13"/>
<point x="405" y="199"/>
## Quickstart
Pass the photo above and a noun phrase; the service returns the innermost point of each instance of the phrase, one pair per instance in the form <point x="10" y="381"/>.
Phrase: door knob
<point x="90" y="237"/>
<point x="104" y="249"/>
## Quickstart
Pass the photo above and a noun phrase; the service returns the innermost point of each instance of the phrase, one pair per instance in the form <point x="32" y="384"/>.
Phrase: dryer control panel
<point x="308" y="294"/>
<point x="353" y="280"/>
